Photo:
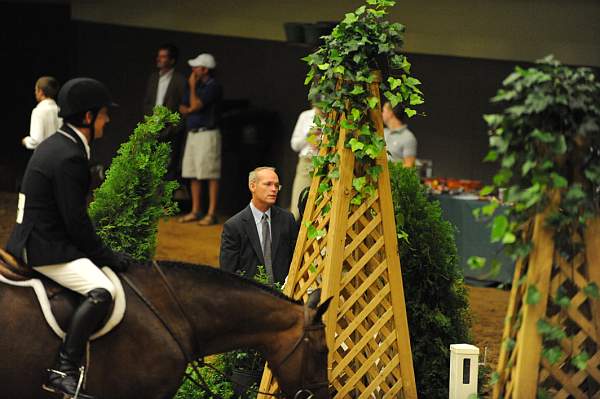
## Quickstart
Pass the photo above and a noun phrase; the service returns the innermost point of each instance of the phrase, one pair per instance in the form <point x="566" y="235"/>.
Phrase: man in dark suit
<point x="54" y="234"/>
<point x="167" y="87"/>
<point x="262" y="233"/>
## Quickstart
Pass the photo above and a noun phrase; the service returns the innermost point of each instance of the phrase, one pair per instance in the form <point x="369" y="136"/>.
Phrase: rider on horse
<point x="54" y="234"/>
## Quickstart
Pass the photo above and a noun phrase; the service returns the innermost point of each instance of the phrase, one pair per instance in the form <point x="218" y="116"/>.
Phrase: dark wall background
<point x="268" y="74"/>
<point x="34" y="41"/>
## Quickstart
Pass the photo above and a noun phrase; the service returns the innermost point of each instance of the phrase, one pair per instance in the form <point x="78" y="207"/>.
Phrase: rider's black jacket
<point x="53" y="225"/>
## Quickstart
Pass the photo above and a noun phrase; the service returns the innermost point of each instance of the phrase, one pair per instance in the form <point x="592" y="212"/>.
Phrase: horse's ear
<point x="314" y="298"/>
<point x="322" y="309"/>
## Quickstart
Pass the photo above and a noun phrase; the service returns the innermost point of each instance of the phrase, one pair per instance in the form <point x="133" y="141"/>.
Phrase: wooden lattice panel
<point x="356" y="262"/>
<point x="523" y="371"/>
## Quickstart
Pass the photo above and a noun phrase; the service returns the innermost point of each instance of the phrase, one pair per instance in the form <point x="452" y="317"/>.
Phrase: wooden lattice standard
<point x="523" y="370"/>
<point x="356" y="262"/>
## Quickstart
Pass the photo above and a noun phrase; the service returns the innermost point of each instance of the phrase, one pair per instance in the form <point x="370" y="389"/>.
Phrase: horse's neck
<point x="226" y="317"/>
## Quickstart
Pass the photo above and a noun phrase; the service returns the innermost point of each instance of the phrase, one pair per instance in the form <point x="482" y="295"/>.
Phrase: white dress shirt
<point x="163" y="84"/>
<point x="258" y="219"/>
<point x="82" y="137"/>
<point x="44" y="122"/>
<point x="299" y="142"/>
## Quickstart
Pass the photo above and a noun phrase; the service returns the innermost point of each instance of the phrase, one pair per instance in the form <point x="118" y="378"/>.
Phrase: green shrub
<point x="128" y="205"/>
<point x="436" y="299"/>
<point x="213" y="379"/>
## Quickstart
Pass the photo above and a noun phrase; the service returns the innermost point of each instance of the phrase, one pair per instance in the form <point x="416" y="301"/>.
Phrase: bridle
<point x="303" y="343"/>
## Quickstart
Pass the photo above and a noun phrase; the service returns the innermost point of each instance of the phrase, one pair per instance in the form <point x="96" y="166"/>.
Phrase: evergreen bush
<point x="436" y="299"/>
<point x="129" y="203"/>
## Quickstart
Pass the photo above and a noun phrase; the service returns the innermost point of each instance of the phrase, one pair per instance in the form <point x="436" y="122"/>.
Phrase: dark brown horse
<point x="145" y="356"/>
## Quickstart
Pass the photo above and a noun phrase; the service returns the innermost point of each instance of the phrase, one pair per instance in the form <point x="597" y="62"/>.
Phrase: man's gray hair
<point x="252" y="175"/>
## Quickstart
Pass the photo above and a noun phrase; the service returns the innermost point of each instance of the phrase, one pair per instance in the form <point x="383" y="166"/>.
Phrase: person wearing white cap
<point x="202" y="153"/>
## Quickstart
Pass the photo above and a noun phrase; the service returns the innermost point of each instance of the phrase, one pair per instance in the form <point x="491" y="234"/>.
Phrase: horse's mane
<point x="231" y="279"/>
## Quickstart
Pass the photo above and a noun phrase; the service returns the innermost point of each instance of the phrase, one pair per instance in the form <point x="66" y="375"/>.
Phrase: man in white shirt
<point x="44" y="117"/>
<point x="305" y="142"/>
<point x="167" y="87"/>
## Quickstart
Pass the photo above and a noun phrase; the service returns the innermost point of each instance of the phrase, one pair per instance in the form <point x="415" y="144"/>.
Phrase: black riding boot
<point x="64" y="377"/>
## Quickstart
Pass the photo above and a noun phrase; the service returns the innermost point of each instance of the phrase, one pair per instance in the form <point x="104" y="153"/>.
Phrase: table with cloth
<point x="473" y="239"/>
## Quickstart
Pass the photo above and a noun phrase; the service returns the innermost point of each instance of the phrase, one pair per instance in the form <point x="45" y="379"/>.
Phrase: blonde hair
<point x="252" y="175"/>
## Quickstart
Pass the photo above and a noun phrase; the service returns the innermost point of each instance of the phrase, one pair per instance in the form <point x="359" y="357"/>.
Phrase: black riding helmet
<point x="83" y="94"/>
<point x="80" y="95"/>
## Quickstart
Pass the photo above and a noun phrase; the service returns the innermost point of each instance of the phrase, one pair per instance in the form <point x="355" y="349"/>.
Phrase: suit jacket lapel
<point x="252" y="232"/>
<point x="275" y="232"/>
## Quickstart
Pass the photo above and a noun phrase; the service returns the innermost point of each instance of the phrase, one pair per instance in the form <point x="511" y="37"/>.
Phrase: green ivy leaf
<point x="489" y="209"/>
<point x="494" y="378"/>
<point x="323" y="67"/>
<point x="358" y="183"/>
<point x="415" y="99"/>
<point x="493" y="119"/>
<point x="491" y="156"/>
<point x="394" y="83"/>
<point x="509" y="238"/>
<point x="527" y="166"/>
<point x="581" y="360"/>
<point x="509" y="344"/>
<point x="355" y="113"/>
<point x="549" y="331"/>
<point x="355" y="145"/>
<point x="346" y="124"/>
<point x="312" y="268"/>
<point x="533" y="295"/>
<point x="486" y="190"/>
<point x="358" y="89"/>
<point x="552" y="354"/>
<point x="356" y="200"/>
<point x="360" y="10"/>
<point x="476" y="262"/>
<point x="394" y="99"/>
<point x="591" y="291"/>
<point x="309" y="76"/>
<point x="350" y="18"/>
<point x="410" y="112"/>
<point x="575" y="193"/>
<point x="324" y="187"/>
<point x="372" y="101"/>
<point x="374" y="172"/>
<point x="313" y="232"/>
<point x="544" y="137"/>
<point x="561" y="298"/>
<point x="499" y="226"/>
<point x="560" y="145"/>
<point x="509" y="160"/>
<point x="558" y="181"/>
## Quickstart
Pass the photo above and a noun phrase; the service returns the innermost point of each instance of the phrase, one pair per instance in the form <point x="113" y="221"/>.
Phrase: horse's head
<point x="302" y="373"/>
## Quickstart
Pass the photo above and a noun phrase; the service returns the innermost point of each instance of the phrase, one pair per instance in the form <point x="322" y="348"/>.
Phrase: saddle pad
<point x="40" y="291"/>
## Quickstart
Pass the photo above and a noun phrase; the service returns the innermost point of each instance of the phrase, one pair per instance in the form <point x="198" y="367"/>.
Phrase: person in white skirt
<point x="305" y="141"/>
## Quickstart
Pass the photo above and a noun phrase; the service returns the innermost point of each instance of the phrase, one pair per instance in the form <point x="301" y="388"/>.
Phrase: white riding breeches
<point x="80" y="275"/>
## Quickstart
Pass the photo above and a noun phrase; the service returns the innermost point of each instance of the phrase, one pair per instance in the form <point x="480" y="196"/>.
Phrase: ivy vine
<point x="547" y="143"/>
<point x="340" y="72"/>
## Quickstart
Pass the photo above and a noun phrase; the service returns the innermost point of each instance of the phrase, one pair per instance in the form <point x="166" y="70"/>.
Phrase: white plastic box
<point x="464" y="369"/>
